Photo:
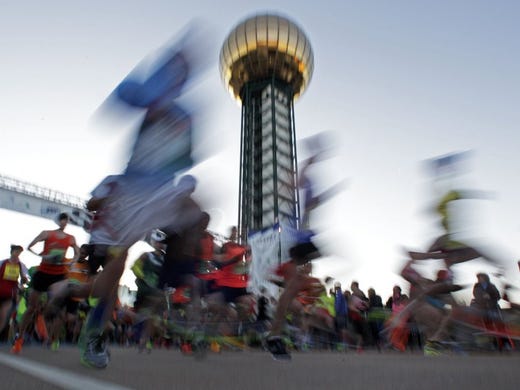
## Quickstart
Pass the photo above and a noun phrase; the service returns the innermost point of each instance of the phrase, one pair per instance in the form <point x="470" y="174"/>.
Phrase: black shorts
<point x="232" y="293"/>
<point x="97" y="257"/>
<point x="209" y="287"/>
<point x="173" y="273"/>
<point x="72" y="306"/>
<point x="7" y="299"/>
<point x="41" y="281"/>
<point x="146" y="295"/>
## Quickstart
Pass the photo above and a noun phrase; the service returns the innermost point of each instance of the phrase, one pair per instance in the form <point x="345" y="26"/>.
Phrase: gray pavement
<point x="169" y="369"/>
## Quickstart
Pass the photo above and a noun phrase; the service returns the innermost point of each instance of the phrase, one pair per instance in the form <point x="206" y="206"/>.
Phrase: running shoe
<point x="186" y="348"/>
<point x="276" y="346"/>
<point x="17" y="345"/>
<point x="55" y="345"/>
<point x="95" y="354"/>
<point x="200" y="350"/>
<point x="432" y="348"/>
<point x="341" y="347"/>
<point x="215" y="346"/>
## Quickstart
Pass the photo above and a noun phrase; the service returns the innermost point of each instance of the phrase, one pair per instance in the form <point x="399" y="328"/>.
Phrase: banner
<point x="269" y="248"/>
<point x="265" y="249"/>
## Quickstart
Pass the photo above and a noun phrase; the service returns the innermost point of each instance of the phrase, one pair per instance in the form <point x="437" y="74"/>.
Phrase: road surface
<point x="42" y="369"/>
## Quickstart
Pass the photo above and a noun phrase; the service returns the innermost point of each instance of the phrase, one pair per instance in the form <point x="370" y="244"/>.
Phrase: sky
<point x="397" y="82"/>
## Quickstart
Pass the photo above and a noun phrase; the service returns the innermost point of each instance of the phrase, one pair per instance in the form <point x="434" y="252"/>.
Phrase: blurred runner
<point x="12" y="272"/>
<point x="51" y="270"/>
<point x="304" y="250"/>
<point x="297" y="280"/>
<point x="144" y="196"/>
<point x="150" y="298"/>
<point x="447" y="247"/>
<point x="430" y="305"/>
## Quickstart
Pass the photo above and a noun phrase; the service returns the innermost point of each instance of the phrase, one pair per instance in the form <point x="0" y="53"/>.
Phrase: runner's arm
<point x="39" y="238"/>
<point x="24" y="273"/>
<point x="75" y="247"/>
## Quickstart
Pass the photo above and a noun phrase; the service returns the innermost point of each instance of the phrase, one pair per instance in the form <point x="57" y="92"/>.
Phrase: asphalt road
<point x="38" y="368"/>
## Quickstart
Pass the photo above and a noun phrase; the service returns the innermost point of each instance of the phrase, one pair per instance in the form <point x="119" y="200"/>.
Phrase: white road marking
<point x="58" y="377"/>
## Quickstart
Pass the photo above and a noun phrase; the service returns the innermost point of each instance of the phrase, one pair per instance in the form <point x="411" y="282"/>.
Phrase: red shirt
<point x="206" y="247"/>
<point x="207" y="271"/>
<point x="234" y="275"/>
<point x="286" y="270"/>
<point x="310" y="291"/>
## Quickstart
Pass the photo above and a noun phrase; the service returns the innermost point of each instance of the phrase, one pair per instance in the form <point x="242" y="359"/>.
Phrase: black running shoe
<point x="276" y="346"/>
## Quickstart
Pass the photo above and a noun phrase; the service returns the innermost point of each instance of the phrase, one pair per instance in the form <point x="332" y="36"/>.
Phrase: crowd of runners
<point x="197" y="301"/>
<point x="192" y="289"/>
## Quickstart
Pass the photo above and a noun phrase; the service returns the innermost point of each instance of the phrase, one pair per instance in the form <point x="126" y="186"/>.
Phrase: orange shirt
<point x="59" y="245"/>
<point x="78" y="271"/>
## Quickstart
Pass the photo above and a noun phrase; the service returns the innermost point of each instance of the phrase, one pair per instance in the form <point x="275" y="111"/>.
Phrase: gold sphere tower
<point x="266" y="63"/>
<point x="263" y="47"/>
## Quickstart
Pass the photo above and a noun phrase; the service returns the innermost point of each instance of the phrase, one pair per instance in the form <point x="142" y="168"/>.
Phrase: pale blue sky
<point x="400" y="81"/>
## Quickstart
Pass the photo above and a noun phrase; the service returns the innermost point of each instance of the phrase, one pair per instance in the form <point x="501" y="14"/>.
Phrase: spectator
<point x="376" y="317"/>
<point x="374" y="300"/>
<point x="354" y="286"/>
<point x="397" y="301"/>
<point x="340" y="320"/>
<point x="486" y="297"/>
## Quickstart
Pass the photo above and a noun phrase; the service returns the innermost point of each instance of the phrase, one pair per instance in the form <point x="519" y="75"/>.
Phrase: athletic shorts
<point x="97" y="257"/>
<point x="140" y="204"/>
<point x="42" y="281"/>
<point x="209" y="287"/>
<point x="72" y="306"/>
<point x="7" y="299"/>
<point x="173" y="273"/>
<point x="232" y="293"/>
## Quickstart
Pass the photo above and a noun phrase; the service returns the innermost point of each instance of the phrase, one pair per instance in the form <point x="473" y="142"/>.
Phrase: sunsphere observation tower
<point x="266" y="63"/>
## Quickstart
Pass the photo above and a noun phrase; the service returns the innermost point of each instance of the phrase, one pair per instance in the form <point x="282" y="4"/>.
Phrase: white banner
<point x="265" y="247"/>
<point x="269" y="248"/>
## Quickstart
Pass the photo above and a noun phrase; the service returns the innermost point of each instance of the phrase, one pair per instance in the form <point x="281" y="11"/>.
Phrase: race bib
<point x="207" y="267"/>
<point x="56" y="256"/>
<point x="12" y="272"/>
<point x="241" y="268"/>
